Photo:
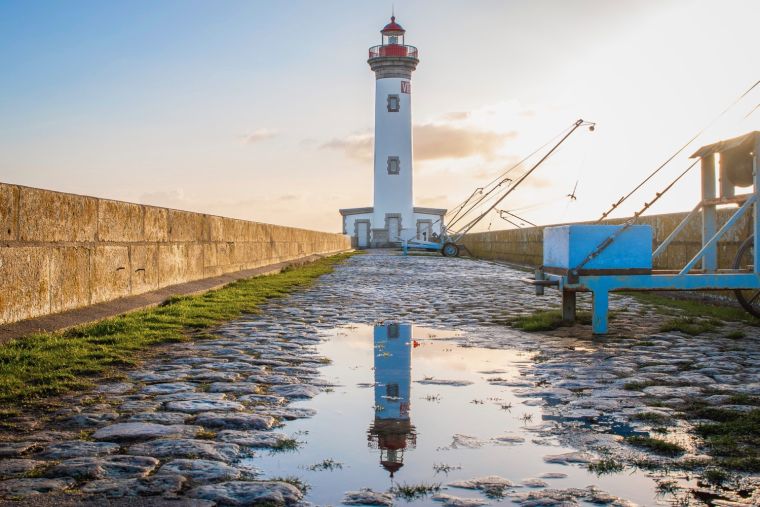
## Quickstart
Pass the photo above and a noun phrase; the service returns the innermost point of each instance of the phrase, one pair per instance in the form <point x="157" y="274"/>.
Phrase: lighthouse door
<point x="362" y="233"/>
<point x="393" y="229"/>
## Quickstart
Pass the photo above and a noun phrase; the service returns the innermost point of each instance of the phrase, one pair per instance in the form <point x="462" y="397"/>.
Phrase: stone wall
<point x="525" y="246"/>
<point x="63" y="251"/>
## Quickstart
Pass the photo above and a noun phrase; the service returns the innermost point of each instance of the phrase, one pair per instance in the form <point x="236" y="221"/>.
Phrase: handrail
<point x="730" y="223"/>
<point x="393" y="50"/>
<point x="665" y="244"/>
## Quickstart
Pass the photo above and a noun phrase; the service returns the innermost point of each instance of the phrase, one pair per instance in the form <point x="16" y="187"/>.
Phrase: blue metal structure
<point x="617" y="258"/>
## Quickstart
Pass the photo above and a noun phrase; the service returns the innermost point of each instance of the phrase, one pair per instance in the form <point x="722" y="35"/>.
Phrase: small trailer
<point x="448" y="248"/>
<point x="606" y="258"/>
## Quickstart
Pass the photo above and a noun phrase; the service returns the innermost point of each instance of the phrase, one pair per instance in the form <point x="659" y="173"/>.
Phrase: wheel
<point x="745" y="259"/>
<point x="450" y="250"/>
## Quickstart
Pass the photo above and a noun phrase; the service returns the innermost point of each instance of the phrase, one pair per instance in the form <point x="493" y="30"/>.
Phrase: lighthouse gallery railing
<point x="393" y="50"/>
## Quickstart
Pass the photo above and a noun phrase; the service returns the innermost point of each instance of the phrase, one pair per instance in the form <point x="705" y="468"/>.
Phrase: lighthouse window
<point x="394" y="165"/>
<point x="394" y="104"/>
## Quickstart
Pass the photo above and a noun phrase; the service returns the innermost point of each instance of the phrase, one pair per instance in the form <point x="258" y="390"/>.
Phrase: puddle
<point x="411" y="406"/>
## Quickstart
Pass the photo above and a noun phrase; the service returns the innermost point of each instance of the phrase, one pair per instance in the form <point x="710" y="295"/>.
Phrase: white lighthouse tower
<point x="393" y="216"/>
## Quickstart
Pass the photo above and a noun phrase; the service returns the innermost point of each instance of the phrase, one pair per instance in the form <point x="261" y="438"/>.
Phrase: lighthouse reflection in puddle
<point x="392" y="431"/>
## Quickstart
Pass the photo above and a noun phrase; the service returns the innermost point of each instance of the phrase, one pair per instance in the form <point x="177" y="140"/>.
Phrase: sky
<point x="263" y="110"/>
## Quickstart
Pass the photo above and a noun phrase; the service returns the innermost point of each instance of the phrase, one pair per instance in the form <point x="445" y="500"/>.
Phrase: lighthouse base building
<point x="390" y="229"/>
<point x="393" y="218"/>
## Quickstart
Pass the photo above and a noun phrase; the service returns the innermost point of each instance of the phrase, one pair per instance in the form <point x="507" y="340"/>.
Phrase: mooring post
<point x="539" y="276"/>
<point x="600" y="307"/>
<point x="568" y="306"/>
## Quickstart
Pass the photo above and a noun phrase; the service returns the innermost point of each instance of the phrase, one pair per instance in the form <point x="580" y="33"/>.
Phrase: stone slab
<point x="54" y="216"/>
<point x="131" y="431"/>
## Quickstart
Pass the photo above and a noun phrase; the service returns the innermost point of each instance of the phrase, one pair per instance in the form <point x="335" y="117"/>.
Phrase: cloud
<point x="456" y="115"/>
<point x="356" y="146"/>
<point x="431" y="142"/>
<point x="435" y="200"/>
<point x="259" y="135"/>
<point x="434" y="141"/>
<point x="534" y="181"/>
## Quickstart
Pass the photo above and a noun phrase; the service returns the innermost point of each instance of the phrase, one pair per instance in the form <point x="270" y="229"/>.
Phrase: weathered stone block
<point x="209" y="255"/>
<point x="172" y="264"/>
<point x="8" y="212"/>
<point x="232" y="230"/>
<point x="194" y="270"/>
<point x="143" y="268"/>
<point x="52" y="216"/>
<point x="24" y="292"/>
<point x="223" y="257"/>
<point x="120" y="221"/>
<point x="237" y="251"/>
<point x="214" y="228"/>
<point x="110" y="273"/>
<point x="250" y="252"/>
<point x="69" y="278"/>
<point x="185" y="226"/>
<point x="265" y="232"/>
<point x="156" y="224"/>
<point x="253" y="231"/>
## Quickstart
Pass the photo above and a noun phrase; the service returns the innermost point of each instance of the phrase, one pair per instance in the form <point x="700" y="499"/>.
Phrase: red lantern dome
<point x="392" y="43"/>
<point x="392" y="28"/>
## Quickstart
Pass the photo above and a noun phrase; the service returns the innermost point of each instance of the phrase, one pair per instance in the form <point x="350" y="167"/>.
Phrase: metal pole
<point x="477" y="219"/>
<point x="710" y="260"/>
<point x="756" y="188"/>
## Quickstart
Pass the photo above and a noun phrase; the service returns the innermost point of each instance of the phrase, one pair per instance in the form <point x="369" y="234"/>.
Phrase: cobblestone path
<point x="180" y="425"/>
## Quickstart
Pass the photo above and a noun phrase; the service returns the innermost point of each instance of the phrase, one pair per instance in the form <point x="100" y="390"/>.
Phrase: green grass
<point x="734" y="438"/>
<point x="743" y="399"/>
<point x="411" y="492"/>
<point x="692" y="326"/>
<point x="325" y="465"/>
<point x="715" y="476"/>
<point x="299" y="483"/>
<point x="285" y="445"/>
<point x="638" y="386"/>
<point x="206" y="434"/>
<point x="652" y="417"/>
<point x="43" y="365"/>
<point x="690" y="308"/>
<point x="546" y="320"/>
<point x="656" y="445"/>
<point x="606" y="466"/>
<point x="666" y="487"/>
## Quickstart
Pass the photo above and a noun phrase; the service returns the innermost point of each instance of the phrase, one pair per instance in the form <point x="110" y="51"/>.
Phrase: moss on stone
<point x="656" y="445"/>
<point x="734" y="438"/>
<point x="546" y="320"/>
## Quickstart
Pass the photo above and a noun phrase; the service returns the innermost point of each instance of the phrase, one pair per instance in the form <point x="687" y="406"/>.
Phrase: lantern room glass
<point x="393" y="38"/>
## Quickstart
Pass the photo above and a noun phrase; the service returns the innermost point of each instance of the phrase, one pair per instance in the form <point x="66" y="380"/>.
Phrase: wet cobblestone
<point x="180" y="424"/>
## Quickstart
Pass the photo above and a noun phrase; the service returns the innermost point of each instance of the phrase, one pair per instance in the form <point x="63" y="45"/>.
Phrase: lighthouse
<point x="393" y="216"/>
<point x="392" y="431"/>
